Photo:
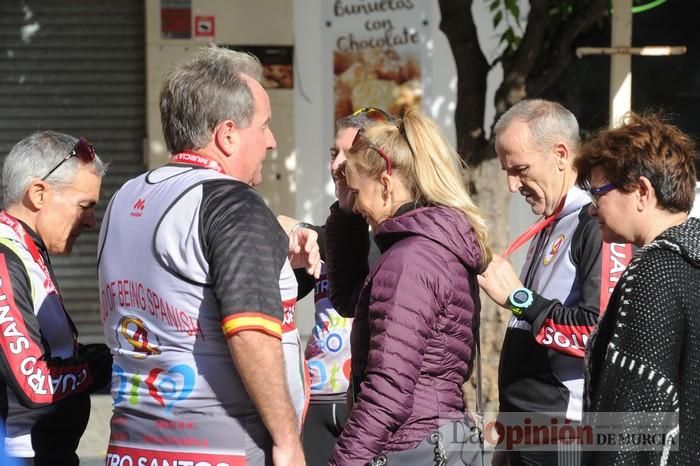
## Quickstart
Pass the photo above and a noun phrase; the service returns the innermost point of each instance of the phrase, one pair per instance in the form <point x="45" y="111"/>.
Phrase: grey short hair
<point x="549" y="122"/>
<point x="34" y="156"/>
<point x="201" y="92"/>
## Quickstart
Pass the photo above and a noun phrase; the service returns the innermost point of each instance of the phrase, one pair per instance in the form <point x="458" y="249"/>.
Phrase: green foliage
<point x="508" y="10"/>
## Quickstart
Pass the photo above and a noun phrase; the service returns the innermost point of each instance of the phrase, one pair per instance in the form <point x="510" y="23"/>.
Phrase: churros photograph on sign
<point x="379" y="54"/>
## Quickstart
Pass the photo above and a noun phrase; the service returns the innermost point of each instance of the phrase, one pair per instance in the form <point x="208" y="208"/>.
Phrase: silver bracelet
<point x="301" y="225"/>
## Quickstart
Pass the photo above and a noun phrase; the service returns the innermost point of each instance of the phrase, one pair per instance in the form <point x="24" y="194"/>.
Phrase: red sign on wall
<point x="176" y="19"/>
<point x="204" y="26"/>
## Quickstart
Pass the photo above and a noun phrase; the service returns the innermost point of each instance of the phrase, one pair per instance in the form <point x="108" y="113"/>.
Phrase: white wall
<point x="238" y="22"/>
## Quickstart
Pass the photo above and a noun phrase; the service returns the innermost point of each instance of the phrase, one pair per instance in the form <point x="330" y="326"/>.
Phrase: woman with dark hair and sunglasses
<point x="416" y="310"/>
<point x="643" y="361"/>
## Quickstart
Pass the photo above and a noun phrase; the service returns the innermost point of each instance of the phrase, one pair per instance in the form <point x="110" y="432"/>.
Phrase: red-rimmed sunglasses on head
<point x="360" y="135"/>
<point x="82" y="149"/>
<point x="379" y="115"/>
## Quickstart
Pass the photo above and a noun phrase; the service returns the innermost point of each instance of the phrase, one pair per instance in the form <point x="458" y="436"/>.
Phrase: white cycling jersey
<point x="189" y="257"/>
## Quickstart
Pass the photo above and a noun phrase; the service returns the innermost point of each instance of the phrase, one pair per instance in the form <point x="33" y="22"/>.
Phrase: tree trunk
<point x="485" y="178"/>
<point x="458" y="25"/>
<point x="489" y="185"/>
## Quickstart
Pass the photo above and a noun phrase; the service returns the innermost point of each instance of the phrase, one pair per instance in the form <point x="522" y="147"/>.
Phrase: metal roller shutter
<point x="76" y="66"/>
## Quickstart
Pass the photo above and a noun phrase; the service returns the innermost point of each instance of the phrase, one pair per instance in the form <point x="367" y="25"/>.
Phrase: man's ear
<point x="227" y="138"/>
<point x="561" y="156"/>
<point x="37" y="195"/>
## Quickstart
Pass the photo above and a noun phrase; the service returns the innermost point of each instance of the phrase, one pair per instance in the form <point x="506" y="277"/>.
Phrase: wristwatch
<point x="519" y="300"/>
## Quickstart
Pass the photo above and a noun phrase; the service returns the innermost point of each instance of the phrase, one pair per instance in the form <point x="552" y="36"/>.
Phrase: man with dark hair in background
<point x="328" y="348"/>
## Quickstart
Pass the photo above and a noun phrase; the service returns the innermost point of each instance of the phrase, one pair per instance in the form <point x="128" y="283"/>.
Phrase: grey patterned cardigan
<point x="645" y="354"/>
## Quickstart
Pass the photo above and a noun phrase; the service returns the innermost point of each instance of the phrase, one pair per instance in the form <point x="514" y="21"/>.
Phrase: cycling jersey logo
<point x="169" y="387"/>
<point x="334" y="375"/>
<point x="165" y="387"/>
<point x="137" y="209"/>
<point x="133" y="337"/>
<point x="553" y="250"/>
<point x="288" y="323"/>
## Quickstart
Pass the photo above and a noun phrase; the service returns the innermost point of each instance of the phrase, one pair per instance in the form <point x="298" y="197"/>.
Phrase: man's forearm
<point x="260" y="363"/>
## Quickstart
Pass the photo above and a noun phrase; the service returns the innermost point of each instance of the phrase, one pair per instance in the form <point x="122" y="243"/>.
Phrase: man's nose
<point x="592" y="210"/>
<point x="271" y="141"/>
<point x="514" y="183"/>
<point x="89" y="219"/>
<point x="338" y="162"/>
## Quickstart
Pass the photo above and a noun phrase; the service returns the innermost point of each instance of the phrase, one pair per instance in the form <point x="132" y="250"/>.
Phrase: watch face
<point x="520" y="297"/>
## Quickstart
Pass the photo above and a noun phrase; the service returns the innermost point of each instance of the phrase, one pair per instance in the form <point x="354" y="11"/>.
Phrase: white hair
<point x="208" y="88"/>
<point x="34" y="156"/>
<point x="549" y="123"/>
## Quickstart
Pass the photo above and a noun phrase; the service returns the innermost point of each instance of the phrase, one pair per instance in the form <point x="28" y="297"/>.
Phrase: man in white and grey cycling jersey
<point x="189" y="268"/>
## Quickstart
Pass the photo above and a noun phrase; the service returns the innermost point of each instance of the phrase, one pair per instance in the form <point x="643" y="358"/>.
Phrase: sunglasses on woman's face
<point x="360" y="135"/>
<point x="82" y="149"/>
<point x="597" y="193"/>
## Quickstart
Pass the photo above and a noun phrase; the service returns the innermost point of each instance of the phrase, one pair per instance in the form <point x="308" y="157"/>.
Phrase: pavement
<point x="93" y="444"/>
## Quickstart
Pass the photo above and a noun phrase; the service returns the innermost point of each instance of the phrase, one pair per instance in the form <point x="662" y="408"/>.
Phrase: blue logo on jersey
<point x="166" y="387"/>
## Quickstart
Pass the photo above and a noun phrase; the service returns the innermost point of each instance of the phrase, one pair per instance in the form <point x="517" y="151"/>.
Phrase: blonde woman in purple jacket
<point x="416" y="310"/>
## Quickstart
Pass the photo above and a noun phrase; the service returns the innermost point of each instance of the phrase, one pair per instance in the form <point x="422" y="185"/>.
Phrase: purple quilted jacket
<point x="412" y="340"/>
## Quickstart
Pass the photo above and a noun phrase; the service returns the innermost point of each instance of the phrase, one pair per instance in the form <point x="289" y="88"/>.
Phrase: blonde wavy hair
<point x="430" y="168"/>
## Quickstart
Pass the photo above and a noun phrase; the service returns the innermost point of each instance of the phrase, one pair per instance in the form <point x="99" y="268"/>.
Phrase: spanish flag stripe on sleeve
<point x="251" y="321"/>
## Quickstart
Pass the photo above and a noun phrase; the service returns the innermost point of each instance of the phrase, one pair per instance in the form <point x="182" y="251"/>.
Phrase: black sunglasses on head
<point x="82" y="149"/>
<point x="375" y="114"/>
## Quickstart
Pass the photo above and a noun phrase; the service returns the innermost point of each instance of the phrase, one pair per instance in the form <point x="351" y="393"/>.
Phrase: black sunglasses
<point x="82" y="149"/>
<point x="375" y="114"/>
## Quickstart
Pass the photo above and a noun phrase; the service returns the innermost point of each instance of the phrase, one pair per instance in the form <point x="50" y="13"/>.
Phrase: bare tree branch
<point x="583" y="17"/>
<point x="543" y="54"/>
<point x="457" y="22"/>
<point x="516" y="69"/>
<point x="537" y="23"/>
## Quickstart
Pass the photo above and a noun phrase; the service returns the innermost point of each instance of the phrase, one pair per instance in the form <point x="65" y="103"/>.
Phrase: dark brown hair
<point x="645" y="145"/>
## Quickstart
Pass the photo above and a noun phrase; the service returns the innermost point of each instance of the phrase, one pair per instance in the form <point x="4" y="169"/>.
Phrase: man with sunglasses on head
<point x="328" y="348"/>
<point x="51" y="185"/>
<point x="190" y="260"/>
<point x="567" y="279"/>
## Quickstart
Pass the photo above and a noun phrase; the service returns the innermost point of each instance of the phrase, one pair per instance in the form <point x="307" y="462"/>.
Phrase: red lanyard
<point x="528" y="234"/>
<point x="197" y="160"/>
<point x="21" y="233"/>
